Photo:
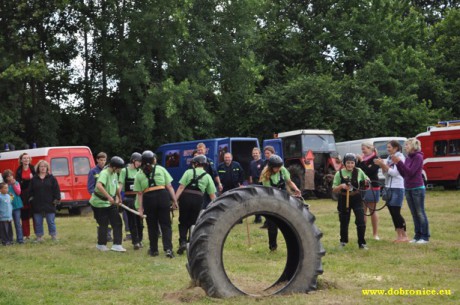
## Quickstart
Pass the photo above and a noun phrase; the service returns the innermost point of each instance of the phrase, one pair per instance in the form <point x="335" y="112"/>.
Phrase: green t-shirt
<point x="109" y="180"/>
<point x="276" y="177"/>
<point x="131" y="174"/>
<point x="205" y="184"/>
<point x="141" y="182"/>
<point x="162" y="177"/>
<point x="347" y="174"/>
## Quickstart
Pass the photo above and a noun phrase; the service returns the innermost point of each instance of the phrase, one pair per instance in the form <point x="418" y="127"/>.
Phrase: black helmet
<point x="148" y="157"/>
<point x="136" y="157"/>
<point x="275" y="161"/>
<point x="117" y="162"/>
<point x="349" y="157"/>
<point x="200" y="159"/>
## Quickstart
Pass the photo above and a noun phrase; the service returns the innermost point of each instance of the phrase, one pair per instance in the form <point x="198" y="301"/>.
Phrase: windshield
<point x="318" y="143"/>
<point x="381" y="147"/>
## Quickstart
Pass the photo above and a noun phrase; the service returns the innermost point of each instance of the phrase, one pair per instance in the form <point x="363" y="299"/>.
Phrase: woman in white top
<point x="394" y="184"/>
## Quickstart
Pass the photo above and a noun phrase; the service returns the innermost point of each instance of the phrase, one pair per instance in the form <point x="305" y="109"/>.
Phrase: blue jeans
<point x="38" y="218"/>
<point x="416" y="202"/>
<point x="18" y="225"/>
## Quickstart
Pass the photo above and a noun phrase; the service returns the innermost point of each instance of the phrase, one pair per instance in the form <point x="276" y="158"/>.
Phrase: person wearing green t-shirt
<point x="276" y="175"/>
<point x="126" y="181"/>
<point x="193" y="185"/>
<point x="105" y="201"/>
<point x="347" y="182"/>
<point x="154" y="194"/>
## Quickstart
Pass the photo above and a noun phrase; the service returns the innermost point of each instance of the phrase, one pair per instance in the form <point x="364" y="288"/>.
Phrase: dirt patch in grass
<point x="188" y="295"/>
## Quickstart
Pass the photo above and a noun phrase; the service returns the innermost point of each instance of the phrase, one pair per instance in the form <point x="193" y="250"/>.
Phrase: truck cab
<point x="295" y="146"/>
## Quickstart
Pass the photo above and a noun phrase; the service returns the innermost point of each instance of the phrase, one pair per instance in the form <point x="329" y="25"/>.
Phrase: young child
<point x="14" y="189"/>
<point x="349" y="179"/>
<point x="6" y="216"/>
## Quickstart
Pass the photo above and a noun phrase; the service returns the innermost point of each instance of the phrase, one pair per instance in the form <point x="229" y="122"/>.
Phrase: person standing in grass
<point x="255" y="169"/>
<point x="349" y="179"/>
<point x="394" y="183"/>
<point x="24" y="174"/>
<point x="277" y="176"/>
<point x="14" y="189"/>
<point x="411" y="170"/>
<point x="104" y="202"/>
<point x="126" y="181"/>
<point x="6" y="216"/>
<point x="45" y="195"/>
<point x="372" y="195"/>
<point x="154" y="194"/>
<point x="192" y="186"/>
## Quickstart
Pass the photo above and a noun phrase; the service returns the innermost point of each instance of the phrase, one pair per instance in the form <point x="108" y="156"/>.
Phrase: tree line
<point x="124" y="75"/>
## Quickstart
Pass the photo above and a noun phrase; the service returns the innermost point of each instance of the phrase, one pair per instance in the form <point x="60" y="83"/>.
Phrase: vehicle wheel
<point x="304" y="249"/>
<point x="75" y="211"/>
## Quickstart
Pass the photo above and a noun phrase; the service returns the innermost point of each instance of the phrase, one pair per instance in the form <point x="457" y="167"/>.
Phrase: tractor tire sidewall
<point x="208" y="237"/>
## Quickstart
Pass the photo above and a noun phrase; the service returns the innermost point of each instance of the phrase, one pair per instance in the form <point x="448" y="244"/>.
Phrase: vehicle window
<point x="440" y="148"/>
<point x="172" y="158"/>
<point x="81" y="166"/>
<point x="454" y="147"/>
<point x="292" y="147"/>
<point x="60" y="166"/>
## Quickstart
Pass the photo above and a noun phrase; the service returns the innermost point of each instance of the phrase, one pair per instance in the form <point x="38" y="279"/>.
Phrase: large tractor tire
<point x="304" y="249"/>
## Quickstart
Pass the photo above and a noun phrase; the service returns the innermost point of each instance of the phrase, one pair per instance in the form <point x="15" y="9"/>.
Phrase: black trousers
<point x="189" y="209"/>
<point x="344" y="217"/>
<point x="136" y="224"/>
<point x="157" y="207"/>
<point x="6" y="232"/>
<point x="397" y="218"/>
<point x="104" y="217"/>
<point x="272" y="233"/>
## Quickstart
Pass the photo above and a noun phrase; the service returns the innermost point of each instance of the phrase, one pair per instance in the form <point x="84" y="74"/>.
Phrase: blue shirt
<point x="231" y="176"/>
<point x="92" y="178"/>
<point x="255" y="168"/>
<point x="6" y="208"/>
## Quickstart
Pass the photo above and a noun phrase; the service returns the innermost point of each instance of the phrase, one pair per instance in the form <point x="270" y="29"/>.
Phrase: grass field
<point x="72" y="271"/>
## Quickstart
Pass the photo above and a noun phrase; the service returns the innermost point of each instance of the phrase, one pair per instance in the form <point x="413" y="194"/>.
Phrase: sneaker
<point x="273" y="248"/>
<point x="342" y="244"/>
<point x="118" y="248"/>
<point x="169" y="253"/>
<point x="141" y="245"/>
<point x="182" y="248"/>
<point x="136" y="246"/>
<point x="376" y="237"/>
<point x="127" y="237"/>
<point x="413" y="241"/>
<point x="363" y="247"/>
<point x="54" y="238"/>
<point x="39" y="239"/>
<point x="152" y="253"/>
<point x="421" y="242"/>
<point x="102" y="248"/>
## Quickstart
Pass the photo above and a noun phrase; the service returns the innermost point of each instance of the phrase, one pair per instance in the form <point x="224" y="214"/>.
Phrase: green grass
<point x="72" y="271"/>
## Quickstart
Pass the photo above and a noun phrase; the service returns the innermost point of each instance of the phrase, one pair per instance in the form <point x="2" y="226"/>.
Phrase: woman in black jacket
<point x="44" y="195"/>
<point x="371" y="196"/>
<point x="24" y="174"/>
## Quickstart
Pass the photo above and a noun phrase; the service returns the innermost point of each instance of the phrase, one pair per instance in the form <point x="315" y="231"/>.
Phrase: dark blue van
<point x="176" y="157"/>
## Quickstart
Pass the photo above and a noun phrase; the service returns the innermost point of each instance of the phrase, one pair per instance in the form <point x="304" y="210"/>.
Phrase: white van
<point x="379" y="143"/>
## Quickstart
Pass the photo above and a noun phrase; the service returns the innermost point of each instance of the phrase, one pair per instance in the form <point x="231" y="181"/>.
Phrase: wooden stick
<point x="348" y="199"/>
<point x="247" y="229"/>
<point x="131" y="210"/>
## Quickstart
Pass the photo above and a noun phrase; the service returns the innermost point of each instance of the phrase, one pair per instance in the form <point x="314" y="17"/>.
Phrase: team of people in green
<point x="145" y="188"/>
